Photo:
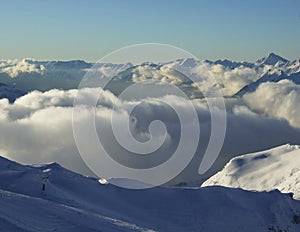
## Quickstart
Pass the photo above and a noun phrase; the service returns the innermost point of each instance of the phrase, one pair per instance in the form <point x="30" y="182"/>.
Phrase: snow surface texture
<point x="51" y="198"/>
<point x="277" y="168"/>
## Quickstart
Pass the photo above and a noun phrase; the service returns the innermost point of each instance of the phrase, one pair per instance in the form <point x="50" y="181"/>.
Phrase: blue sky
<point x="212" y="29"/>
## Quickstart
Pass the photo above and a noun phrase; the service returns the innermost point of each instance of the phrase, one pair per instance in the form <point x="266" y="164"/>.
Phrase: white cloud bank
<point x="38" y="126"/>
<point x="230" y="80"/>
<point x="279" y="100"/>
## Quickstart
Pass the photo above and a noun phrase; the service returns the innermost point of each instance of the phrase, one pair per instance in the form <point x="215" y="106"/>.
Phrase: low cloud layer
<point x="38" y="126"/>
<point x="230" y="80"/>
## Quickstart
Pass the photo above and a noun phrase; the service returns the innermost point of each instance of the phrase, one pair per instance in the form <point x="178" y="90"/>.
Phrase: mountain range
<point x="28" y="74"/>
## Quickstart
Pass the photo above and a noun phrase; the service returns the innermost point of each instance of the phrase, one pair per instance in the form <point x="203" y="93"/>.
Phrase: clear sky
<point x="89" y="29"/>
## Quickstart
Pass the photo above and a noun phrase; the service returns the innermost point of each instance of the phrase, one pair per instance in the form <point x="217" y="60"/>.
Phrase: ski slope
<point x="72" y="202"/>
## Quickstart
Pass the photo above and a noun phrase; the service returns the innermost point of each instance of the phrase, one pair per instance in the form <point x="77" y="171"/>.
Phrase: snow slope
<point x="10" y="93"/>
<point x="277" y="168"/>
<point x="71" y="202"/>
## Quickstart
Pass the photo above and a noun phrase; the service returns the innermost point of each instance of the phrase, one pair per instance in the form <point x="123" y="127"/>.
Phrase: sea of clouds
<point x="37" y="127"/>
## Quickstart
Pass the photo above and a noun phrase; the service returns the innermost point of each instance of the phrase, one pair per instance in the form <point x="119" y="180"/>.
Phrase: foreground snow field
<point x="51" y="198"/>
<point x="277" y="168"/>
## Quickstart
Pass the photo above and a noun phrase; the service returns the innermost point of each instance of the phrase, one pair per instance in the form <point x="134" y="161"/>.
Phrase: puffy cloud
<point x="38" y="126"/>
<point x="229" y="80"/>
<point x="279" y="100"/>
<point x="15" y="68"/>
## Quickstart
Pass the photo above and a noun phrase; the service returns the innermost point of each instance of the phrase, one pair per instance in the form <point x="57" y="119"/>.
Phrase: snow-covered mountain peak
<point x="189" y="62"/>
<point x="271" y="59"/>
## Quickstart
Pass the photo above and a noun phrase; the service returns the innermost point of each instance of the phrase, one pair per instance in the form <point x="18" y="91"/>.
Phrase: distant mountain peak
<point x="272" y="59"/>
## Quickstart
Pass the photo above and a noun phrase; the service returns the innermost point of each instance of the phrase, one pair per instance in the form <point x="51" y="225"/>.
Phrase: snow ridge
<point x="277" y="168"/>
<point x="72" y="202"/>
